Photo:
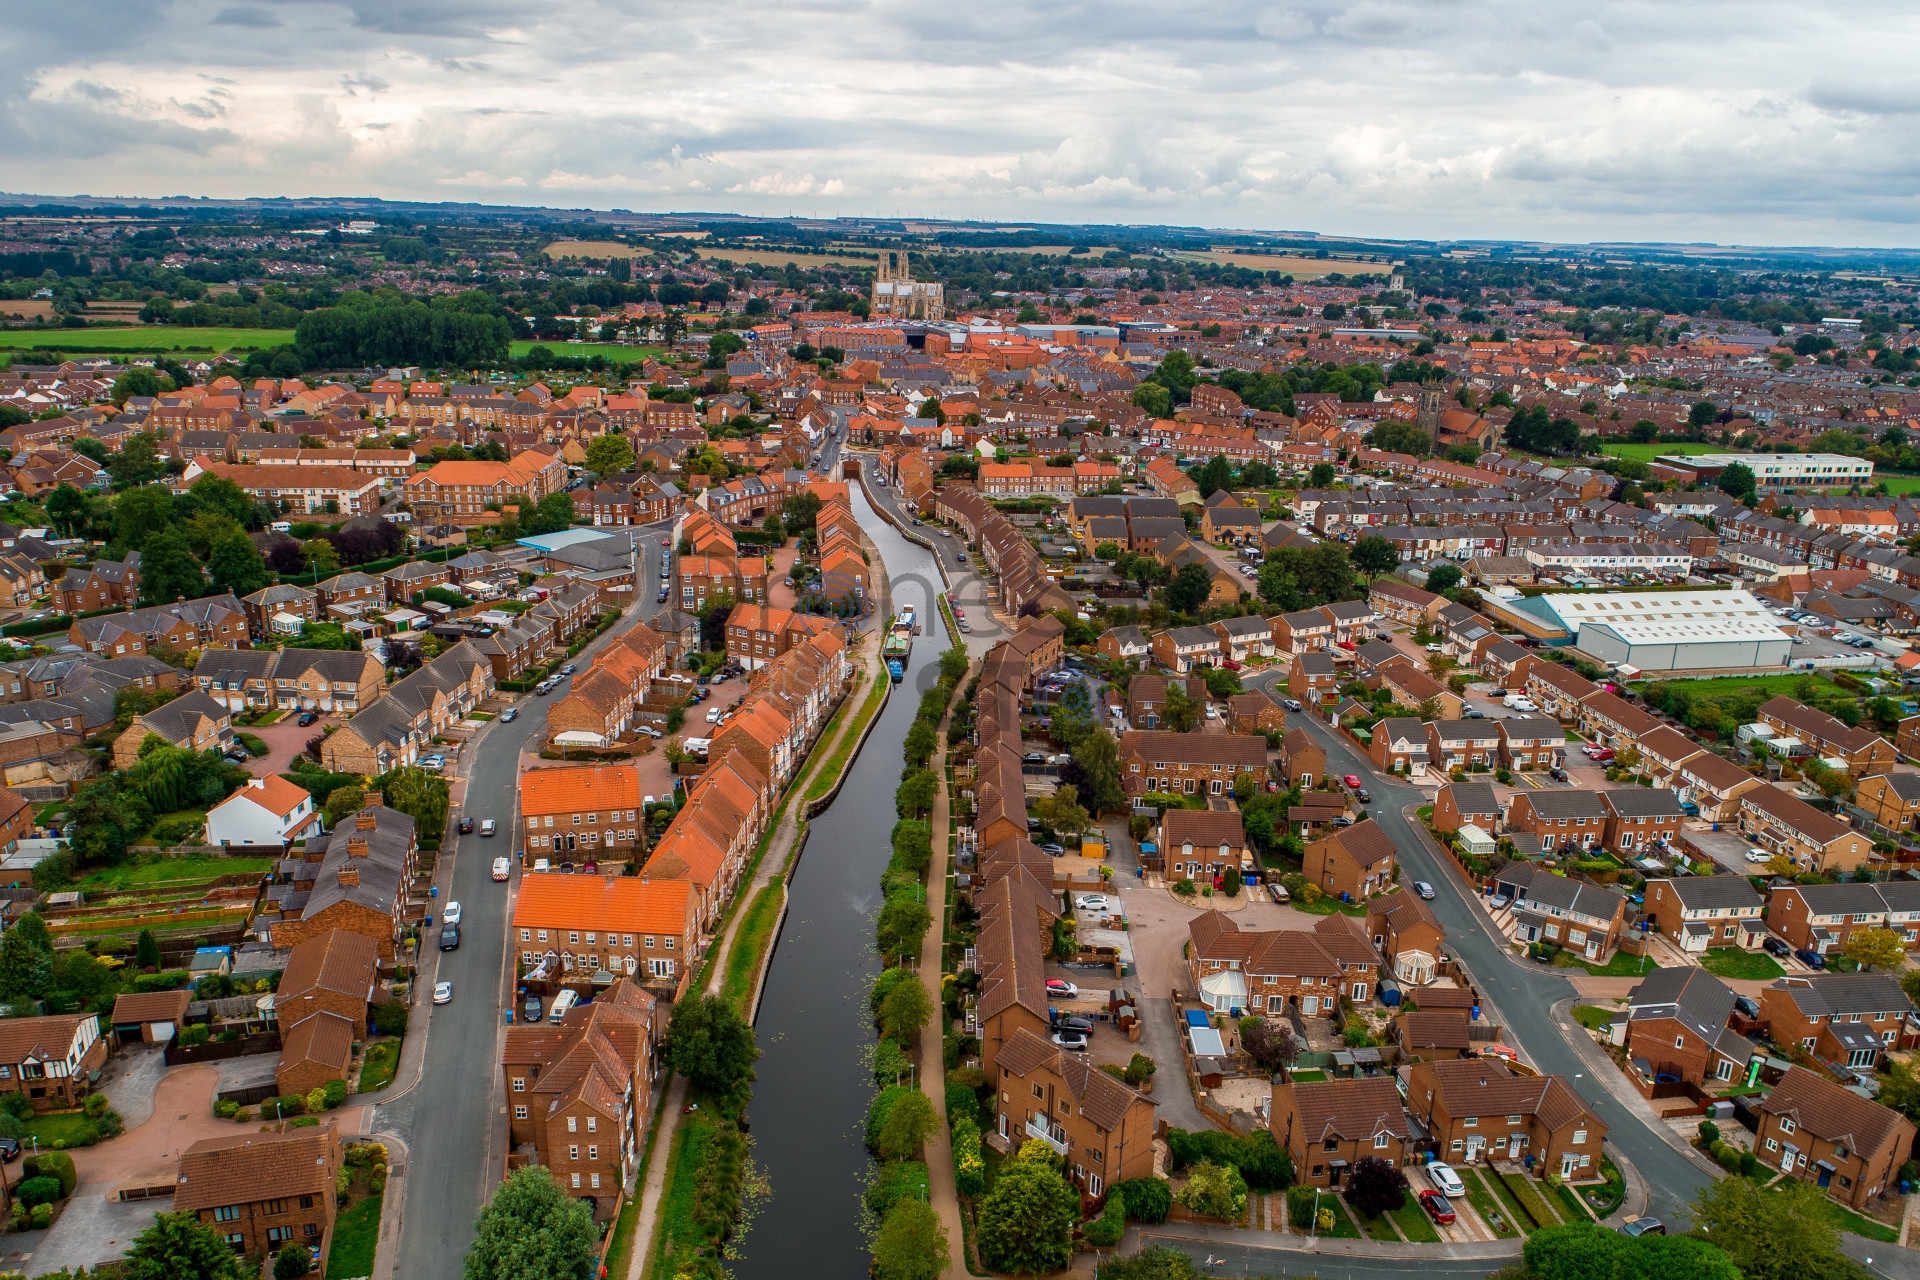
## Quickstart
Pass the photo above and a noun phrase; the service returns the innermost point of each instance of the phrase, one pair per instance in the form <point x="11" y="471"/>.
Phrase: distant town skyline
<point x="1755" y="124"/>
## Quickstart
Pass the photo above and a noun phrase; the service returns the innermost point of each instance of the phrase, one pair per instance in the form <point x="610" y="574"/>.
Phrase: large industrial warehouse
<point x="1665" y="630"/>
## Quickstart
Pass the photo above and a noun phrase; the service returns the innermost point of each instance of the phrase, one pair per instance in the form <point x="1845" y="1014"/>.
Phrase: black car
<point x="1069" y="1022"/>
<point x="466" y="826"/>
<point x="307" y="718"/>
<point x="1776" y="947"/>
<point x="1558" y="775"/>
<point x="9" y="1149"/>
<point x="663" y="596"/>
<point x="450" y="938"/>
<point x="1366" y="796"/>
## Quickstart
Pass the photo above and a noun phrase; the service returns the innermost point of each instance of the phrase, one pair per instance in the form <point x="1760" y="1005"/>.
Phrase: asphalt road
<point x="454" y="1121"/>
<point x="1522" y="996"/>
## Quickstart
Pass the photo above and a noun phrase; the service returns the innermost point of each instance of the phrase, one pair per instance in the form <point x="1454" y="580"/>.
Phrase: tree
<point x="905" y="1010"/>
<point x="1154" y="398"/>
<point x="1781" y="1233"/>
<point x="1373" y="555"/>
<point x="1182" y="712"/>
<point x="1702" y="413"/>
<point x="322" y="560"/>
<point x="1400" y="437"/>
<point x="904" y="921"/>
<point x="532" y="1230"/>
<point x="1877" y="949"/>
<point x="552" y="514"/>
<point x="68" y="511"/>
<point x="177" y="1247"/>
<point x="1215" y="476"/>
<point x="1098" y="756"/>
<point x="799" y="512"/>
<point x="343" y="802"/>
<point x="1736" y="481"/>
<point x="914" y="797"/>
<point x="921" y="740"/>
<point x="609" y="454"/>
<point x="911" y="1245"/>
<point x="26" y="969"/>
<point x="420" y="795"/>
<point x="236" y="564"/>
<point x="909" y="1123"/>
<point x="1189" y="588"/>
<point x="1062" y="811"/>
<point x="1377" y="1187"/>
<point x="1644" y="431"/>
<point x="709" y="1044"/>
<point x="1216" y="1190"/>
<point x="146" y="950"/>
<point x="1321" y="477"/>
<point x="1443" y="577"/>
<point x="1026" y="1223"/>
<point x="292" y="1262"/>
<point x="140" y="513"/>
<point x="1270" y="1042"/>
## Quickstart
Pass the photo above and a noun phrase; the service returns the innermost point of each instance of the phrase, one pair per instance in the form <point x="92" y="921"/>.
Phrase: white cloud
<point x="1755" y="122"/>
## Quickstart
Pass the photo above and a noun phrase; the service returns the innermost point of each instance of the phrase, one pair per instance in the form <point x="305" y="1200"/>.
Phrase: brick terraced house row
<point x="567" y="928"/>
<point x="1329" y="1126"/>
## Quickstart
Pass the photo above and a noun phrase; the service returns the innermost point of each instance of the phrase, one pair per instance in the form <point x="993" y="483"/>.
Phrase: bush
<point x="1147" y="1199"/>
<point x="877" y="1111"/>
<point x="1300" y="1202"/>
<point x="969" y="1166"/>
<point x="191" y="1036"/>
<point x="962" y="1103"/>
<point x="226" y="1108"/>
<point x="898" y="1180"/>
<point x="42" y="1217"/>
<point x="889" y="1063"/>
<point x="390" y="1018"/>
<point x="1105" y="1231"/>
<point x="95" y="1105"/>
<point x="55" y="1165"/>
<point x="292" y="1262"/>
<point x="286" y="1107"/>
<point x="333" y="1093"/>
<point x="36" y="1191"/>
<point x="1709" y="1132"/>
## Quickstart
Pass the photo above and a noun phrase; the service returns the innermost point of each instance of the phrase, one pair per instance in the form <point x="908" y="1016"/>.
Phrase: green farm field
<point x="147" y="338"/>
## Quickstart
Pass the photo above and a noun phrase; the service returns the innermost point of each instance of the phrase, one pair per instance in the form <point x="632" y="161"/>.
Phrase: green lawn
<point x="1496" y="1215"/>
<point x="620" y="1252"/>
<point x="1509" y="1205"/>
<point x="146" y="873"/>
<point x="613" y="351"/>
<point x="676" y="1226"/>
<point x="1327" y="906"/>
<point x="1739" y="684"/>
<point x="1570" y="1204"/>
<point x="356" y="1231"/>
<point x="750" y="945"/>
<point x="1592" y="1016"/>
<point x="1897" y="484"/>
<point x="1621" y="966"/>
<point x="1414" y="1223"/>
<point x="1732" y="962"/>
<point x="1529" y="1195"/>
<point x="377" y="1068"/>
<point x="71" y="1127"/>
<point x="830" y="769"/>
<point x="158" y="337"/>
<point x="1309" y="1076"/>
<point x="1343" y="1227"/>
<point x="1847" y="1220"/>
<point x="1648" y="452"/>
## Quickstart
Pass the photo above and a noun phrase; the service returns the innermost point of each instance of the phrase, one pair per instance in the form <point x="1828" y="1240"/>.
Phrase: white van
<point x="281" y="526"/>
<point x="561" y="1003"/>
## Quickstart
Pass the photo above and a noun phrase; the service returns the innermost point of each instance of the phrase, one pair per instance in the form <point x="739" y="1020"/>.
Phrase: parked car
<point x="1436" y="1206"/>
<point x="466" y="826"/>
<point x="307" y="718"/>
<point x="568" y="669"/>
<point x="1422" y="888"/>
<point x="1776" y="947"/>
<point x="1366" y="796"/>
<point x="1473" y="713"/>
<point x="1052" y="849"/>
<point x="1352" y="780"/>
<point x="1061" y="987"/>
<point x="1034" y="757"/>
<point x="501" y="869"/>
<point x="662" y="598"/>
<point x="9" y="1149"/>
<point x="433" y="762"/>
<point x="451" y="915"/>
<point x="1558" y="775"/>
<point x="1642" y="1227"/>
<point x="509" y="715"/>
<point x="1291" y="704"/>
<point x="450" y="938"/>
<point x="1760" y="856"/>
<point x="1436" y="647"/>
<point x="1443" y="1177"/>
<point x="486" y="827"/>
<point x="1069" y="1022"/>
<point x="1810" y="958"/>
<point x="443" y="993"/>
<point x="1075" y="1040"/>
<point x="1090" y="902"/>
<point x="530" y="1011"/>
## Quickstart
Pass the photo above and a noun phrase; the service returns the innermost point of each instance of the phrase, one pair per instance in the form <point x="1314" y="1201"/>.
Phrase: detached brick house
<point x="1356" y="861"/>
<point x="1404" y="930"/>
<point x="1329" y="1126"/>
<point x="1302" y="759"/>
<point x="1101" y="1127"/>
<point x="49" y="1058"/>
<point x="1201" y="843"/>
<point x="1255" y="713"/>
<point x="1478" y="1107"/>
<point x="1819" y="1132"/>
<point x="1313" y="678"/>
<point x="1147" y="698"/>
<point x="1891" y="800"/>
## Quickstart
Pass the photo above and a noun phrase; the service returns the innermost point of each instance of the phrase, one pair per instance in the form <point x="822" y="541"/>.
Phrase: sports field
<point x="1898" y="483"/>
<point x="613" y="351"/>
<point x="1648" y="452"/>
<point x="148" y="338"/>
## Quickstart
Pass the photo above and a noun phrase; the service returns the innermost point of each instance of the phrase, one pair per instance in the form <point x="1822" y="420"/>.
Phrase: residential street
<point x="454" y="1118"/>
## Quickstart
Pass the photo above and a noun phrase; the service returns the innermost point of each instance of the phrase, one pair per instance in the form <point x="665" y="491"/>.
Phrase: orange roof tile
<point x="620" y="904"/>
<point x="570" y="790"/>
<point x="278" y="796"/>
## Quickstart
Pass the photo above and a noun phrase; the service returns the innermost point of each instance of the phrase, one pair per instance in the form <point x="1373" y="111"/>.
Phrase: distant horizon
<point x="320" y="203"/>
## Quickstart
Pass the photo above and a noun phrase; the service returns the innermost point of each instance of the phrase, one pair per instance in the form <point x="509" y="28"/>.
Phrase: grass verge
<point x="377" y="1068"/>
<point x="750" y="946"/>
<point x="1414" y="1223"/>
<point x="676" y="1198"/>
<point x="1522" y="1189"/>
<point x="830" y="769"/>
<point x="356" y="1231"/>
<point x="1593" y="1017"/>
<point x="620" y="1251"/>
<point x="1573" y="1209"/>
<point x="70" y="1127"/>
<point x="1343" y="1225"/>
<point x="1732" y="962"/>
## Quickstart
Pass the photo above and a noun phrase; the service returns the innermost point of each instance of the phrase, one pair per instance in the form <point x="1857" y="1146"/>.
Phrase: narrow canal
<point x="809" y="1105"/>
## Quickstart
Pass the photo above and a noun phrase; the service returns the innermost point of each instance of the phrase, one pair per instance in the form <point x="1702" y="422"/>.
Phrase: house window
<point x="573" y="1153"/>
<point x="1379" y="1141"/>
<point x="1786" y="1125"/>
<point x="227" y="1213"/>
<point x="573" y="1125"/>
<point x="520" y="1112"/>
<point x="576" y="1179"/>
<point x="1579" y="1136"/>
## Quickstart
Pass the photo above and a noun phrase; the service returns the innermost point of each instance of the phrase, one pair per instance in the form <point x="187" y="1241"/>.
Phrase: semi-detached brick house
<point x="1849" y="1019"/>
<point x="1100" y="1127"/>
<point x="1400" y="746"/>
<point x="1788" y="825"/>
<point x="1558" y="691"/>
<point x="397" y="729"/>
<point x="1313" y="678"/>
<point x="1302" y="632"/>
<point x="1405" y="931"/>
<point x="1355" y="862"/>
<point x="1864" y="751"/>
<point x="1277" y="971"/>
<point x="1824" y="917"/>
<point x="1457" y="804"/>
<point x="1638" y="817"/>
<point x="1560" y="911"/>
<point x="1612" y="721"/>
<point x="261" y="1192"/>
<point x="1556" y="820"/>
<point x="1184" y="648"/>
<point x="1188" y="763"/>
<point x="1715" y="783"/>
<point x="1329" y="1126"/>
<point x="1891" y="800"/>
<point x="1302" y="758"/>
<point x="1677" y="1026"/>
<point x="291" y="679"/>
<point x="356" y="877"/>
<point x="193" y="722"/>
<point x="1819" y="1132"/>
<point x="1461" y="744"/>
<point x="187" y="624"/>
<point x="580" y="1093"/>
<point x="1478" y="1107"/>
<point x="1701" y="912"/>
<point x="1531" y="742"/>
<point x="1199" y="844"/>
<point x="49" y="1059"/>
<point x="567" y="928"/>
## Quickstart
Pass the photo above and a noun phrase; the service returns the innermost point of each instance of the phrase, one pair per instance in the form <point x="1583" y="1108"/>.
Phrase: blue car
<point x="1811" y="959"/>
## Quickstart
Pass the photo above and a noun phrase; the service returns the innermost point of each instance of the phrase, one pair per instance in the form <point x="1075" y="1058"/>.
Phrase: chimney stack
<point x="365" y="821"/>
<point x="349" y="877"/>
<point x="357" y="847"/>
<point x="374" y="800"/>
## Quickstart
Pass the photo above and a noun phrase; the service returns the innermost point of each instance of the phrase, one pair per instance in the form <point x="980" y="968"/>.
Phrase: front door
<point x="1568" y="1163"/>
<point x="1338" y="1171"/>
<point x="1826" y="1175"/>
<point x="1473" y="1148"/>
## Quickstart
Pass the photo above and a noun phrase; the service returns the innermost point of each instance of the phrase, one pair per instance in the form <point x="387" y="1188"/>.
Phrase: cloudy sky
<point x="1757" y="122"/>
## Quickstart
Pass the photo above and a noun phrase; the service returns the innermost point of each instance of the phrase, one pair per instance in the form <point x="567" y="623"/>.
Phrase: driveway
<point x="285" y="740"/>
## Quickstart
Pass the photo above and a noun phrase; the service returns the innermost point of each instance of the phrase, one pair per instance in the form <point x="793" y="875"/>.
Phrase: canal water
<point x="809" y="1107"/>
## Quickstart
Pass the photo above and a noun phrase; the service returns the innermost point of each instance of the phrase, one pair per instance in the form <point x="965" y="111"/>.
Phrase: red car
<point x="1346" y="644"/>
<point x="1352" y="780"/>
<point x="1231" y="665"/>
<point x="1436" y="1206"/>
